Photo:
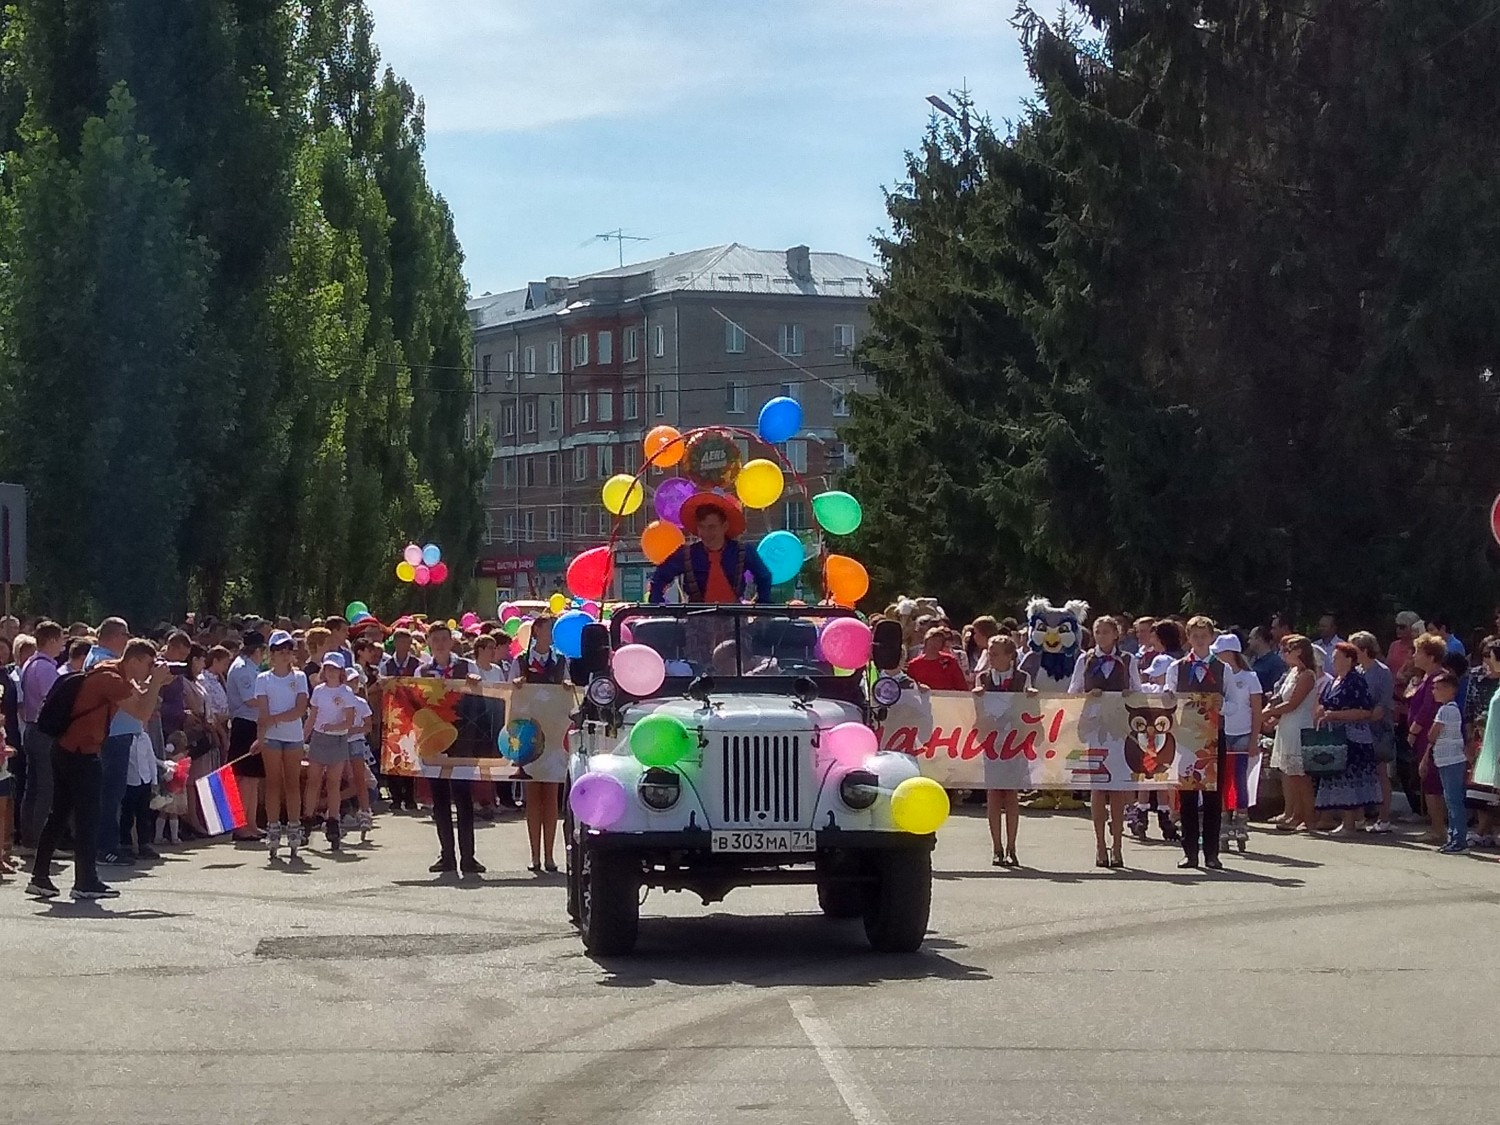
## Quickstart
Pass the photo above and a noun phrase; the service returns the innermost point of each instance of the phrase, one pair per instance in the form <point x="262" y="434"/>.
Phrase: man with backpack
<point x="77" y="713"/>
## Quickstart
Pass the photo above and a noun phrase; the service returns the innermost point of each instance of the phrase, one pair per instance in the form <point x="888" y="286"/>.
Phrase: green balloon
<point x="354" y="609"/>
<point x="660" y="740"/>
<point x="512" y="627"/>
<point x="837" y="513"/>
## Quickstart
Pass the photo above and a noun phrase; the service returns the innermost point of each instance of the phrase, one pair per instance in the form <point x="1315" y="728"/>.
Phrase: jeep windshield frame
<point x="759" y="649"/>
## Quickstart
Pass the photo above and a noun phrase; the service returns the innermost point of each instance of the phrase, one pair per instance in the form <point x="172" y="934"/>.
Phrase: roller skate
<point x="1241" y="831"/>
<point x="273" y="838"/>
<point x="1168" y="829"/>
<point x="1138" y="822"/>
<point x="293" y="840"/>
<point x="331" y="830"/>
<point x="365" y="823"/>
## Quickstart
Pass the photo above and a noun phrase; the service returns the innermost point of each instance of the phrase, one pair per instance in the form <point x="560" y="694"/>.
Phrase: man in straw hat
<point x="713" y="568"/>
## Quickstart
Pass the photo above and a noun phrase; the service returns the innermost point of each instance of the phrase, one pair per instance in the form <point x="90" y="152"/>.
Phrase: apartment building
<point x="570" y="374"/>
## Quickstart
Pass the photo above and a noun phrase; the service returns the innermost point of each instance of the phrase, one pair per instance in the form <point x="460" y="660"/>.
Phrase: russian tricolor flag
<point x="219" y="794"/>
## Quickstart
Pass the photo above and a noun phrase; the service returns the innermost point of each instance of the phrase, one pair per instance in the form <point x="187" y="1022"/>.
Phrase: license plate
<point x="753" y="841"/>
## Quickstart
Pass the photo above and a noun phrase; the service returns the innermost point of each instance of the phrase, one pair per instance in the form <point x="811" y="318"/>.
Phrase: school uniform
<point x="1189" y="675"/>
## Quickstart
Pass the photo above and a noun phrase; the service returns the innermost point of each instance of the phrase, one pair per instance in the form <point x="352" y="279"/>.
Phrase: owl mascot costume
<point x="1055" y="640"/>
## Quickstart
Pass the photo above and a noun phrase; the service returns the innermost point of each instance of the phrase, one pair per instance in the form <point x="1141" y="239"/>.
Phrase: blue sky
<point x="691" y="122"/>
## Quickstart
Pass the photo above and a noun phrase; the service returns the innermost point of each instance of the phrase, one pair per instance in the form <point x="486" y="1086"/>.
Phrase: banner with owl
<point x="472" y="732"/>
<point x="1002" y="740"/>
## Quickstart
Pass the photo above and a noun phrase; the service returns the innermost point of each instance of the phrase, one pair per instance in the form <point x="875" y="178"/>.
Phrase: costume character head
<point x="1150" y="744"/>
<point x="1056" y="635"/>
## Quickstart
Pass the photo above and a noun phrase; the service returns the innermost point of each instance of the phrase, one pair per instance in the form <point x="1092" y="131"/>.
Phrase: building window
<point x="604" y="518"/>
<point x="468" y="428"/>
<point x="843" y="339"/>
<point x="554" y="415"/>
<point x="530" y="525"/>
<point x="528" y="361"/>
<point x="659" y="408"/>
<point x="529" y="472"/>
<point x="554" y="524"/>
<point x="554" y="357"/>
<point x="661" y="340"/>
<point x="510" y="365"/>
<point x="484" y="367"/>
<point x="580" y="407"/>
<point x="580" y="522"/>
<point x="489" y="528"/>
<point x="486" y="421"/>
<point x="735" y="396"/>
<point x="606" y="461"/>
<point x="632" y="344"/>
<point x="606" y="347"/>
<point x="789" y="339"/>
<point x="508" y="420"/>
<point x="734" y="338"/>
<point x="581" y="350"/>
<point x="508" y="527"/>
<point x="795" y="516"/>
<point x="606" y="406"/>
<point x="554" y="469"/>
<point x="841" y="400"/>
<point x="528" y="416"/>
<point x="796" y="455"/>
<point x="632" y="405"/>
<point x="791" y="390"/>
<point x="508" y="473"/>
<point x="581" y="462"/>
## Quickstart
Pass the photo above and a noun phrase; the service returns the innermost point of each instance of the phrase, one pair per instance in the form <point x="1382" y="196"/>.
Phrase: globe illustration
<point x="522" y="741"/>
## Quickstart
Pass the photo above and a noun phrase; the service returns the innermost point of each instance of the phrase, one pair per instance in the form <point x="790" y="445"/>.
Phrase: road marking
<point x="857" y="1097"/>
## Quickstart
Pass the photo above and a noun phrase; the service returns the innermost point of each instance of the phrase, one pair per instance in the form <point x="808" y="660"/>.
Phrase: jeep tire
<point x="897" y="903"/>
<point x="839" y="897"/>
<point x="609" y="908"/>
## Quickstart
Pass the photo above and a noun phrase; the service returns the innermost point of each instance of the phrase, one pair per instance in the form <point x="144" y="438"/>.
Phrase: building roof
<point x="717" y="269"/>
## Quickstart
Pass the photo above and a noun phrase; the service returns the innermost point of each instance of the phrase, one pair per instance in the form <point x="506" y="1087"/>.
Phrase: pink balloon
<point x="591" y="608"/>
<point x="627" y="634"/>
<point x="423" y="576"/>
<point x="470" y="618"/>
<point x="638" y="669"/>
<point x="507" y="611"/>
<point x="597" y="799"/>
<point x="848" y="744"/>
<point x="412" y="554"/>
<point x="846" y="643"/>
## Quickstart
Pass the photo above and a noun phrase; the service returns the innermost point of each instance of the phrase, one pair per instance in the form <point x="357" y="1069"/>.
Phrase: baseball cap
<point x="279" y="638"/>
<point x="1406" y="619"/>
<point x="332" y="659"/>
<point x="1160" y="666"/>
<point x="1225" y="642"/>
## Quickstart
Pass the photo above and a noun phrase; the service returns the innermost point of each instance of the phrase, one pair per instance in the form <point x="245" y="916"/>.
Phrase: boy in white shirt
<point x="1447" y="753"/>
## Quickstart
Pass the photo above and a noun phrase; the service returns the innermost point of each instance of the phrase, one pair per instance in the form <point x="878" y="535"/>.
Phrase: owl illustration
<point x="1150" y="744"/>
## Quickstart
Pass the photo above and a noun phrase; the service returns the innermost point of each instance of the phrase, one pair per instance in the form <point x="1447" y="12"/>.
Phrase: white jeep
<point x="750" y="800"/>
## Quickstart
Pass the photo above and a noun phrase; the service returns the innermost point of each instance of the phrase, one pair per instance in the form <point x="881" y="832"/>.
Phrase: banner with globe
<point x="472" y="732"/>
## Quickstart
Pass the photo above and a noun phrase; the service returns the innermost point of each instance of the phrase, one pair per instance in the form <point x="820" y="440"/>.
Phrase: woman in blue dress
<point x="1345" y="705"/>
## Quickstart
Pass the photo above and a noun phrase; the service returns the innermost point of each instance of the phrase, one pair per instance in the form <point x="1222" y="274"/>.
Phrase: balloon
<point x="848" y="744"/>
<point x="421" y="575"/>
<point x="760" y="483"/>
<point x="780" y="419"/>
<point x="470" y="618"/>
<point x="439" y="573"/>
<point x="661" y="540"/>
<point x="355" y="610"/>
<point x="405" y="571"/>
<point x="919" y="806"/>
<point x="622" y="494"/>
<point x="846" y="643"/>
<point x="845" y="579"/>
<point x="713" y="459"/>
<point x="781" y="551"/>
<point x="507" y="611"/>
<point x="431" y="555"/>
<point x="670" y="496"/>
<point x="557" y="603"/>
<point x="590" y="608"/>
<point x="523" y="637"/>
<point x="598" y="799"/>
<point x="522" y="741"/>
<point x="638" y="669"/>
<point x="837" y="513"/>
<point x="412" y="554"/>
<point x="511" y="626"/>
<point x="660" y="740"/>
<point x="567" y="634"/>
<point x="665" y="444"/>
<point x="588" y="573"/>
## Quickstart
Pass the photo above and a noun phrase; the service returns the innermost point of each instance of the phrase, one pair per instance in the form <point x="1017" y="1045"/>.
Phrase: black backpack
<point x="56" y="714"/>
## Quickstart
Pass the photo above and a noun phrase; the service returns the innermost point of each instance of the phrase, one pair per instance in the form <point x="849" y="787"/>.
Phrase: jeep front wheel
<point x="897" y="904"/>
<point x="609" y="909"/>
<point x="839" y="895"/>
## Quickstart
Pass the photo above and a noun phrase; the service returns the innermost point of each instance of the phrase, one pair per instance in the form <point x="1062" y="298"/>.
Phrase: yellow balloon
<point x="622" y="495"/>
<point x="760" y="483"/>
<point x="405" y="571"/>
<point x="919" y="806"/>
<point x="557" y="603"/>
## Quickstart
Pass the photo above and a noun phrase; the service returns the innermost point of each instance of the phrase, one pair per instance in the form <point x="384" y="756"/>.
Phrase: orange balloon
<point x="845" y="579"/>
<point x="660" y="539"/>
<point x="665" y="444"/>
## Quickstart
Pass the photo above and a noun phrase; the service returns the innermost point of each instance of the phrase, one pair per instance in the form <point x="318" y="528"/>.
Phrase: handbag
<point x="1325" y="753"/>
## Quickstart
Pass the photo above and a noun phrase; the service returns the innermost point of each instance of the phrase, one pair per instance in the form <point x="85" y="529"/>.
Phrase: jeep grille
<point x="762" y="780"/>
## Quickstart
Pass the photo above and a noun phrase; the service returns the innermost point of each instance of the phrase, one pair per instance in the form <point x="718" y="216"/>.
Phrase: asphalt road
<point x="1317" y="980"/>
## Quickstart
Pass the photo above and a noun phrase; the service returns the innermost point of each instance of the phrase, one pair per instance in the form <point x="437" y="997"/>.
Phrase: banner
<point x="472" y="732"/>
<point x="1006" y="740"/>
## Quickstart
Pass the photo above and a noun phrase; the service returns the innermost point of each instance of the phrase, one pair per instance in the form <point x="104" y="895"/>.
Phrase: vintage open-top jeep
<point x="748" y="796"/>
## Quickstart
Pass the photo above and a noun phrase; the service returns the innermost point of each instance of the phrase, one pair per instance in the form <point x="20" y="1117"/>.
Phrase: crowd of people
<point x="99" y="724"/>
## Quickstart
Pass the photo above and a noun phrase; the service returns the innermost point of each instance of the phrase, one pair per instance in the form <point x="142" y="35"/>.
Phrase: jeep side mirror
<point x="888" y="647"/>
<point x="594" y="659"/>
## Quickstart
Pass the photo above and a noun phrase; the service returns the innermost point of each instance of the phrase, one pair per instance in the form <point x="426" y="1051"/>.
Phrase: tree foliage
<point x="233" y="345"/>
<point x="1212" y="324"/>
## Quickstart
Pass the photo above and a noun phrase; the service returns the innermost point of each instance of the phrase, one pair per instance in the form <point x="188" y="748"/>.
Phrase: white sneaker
<point x="350" y="822"/>
<point x="1380" y="826"/>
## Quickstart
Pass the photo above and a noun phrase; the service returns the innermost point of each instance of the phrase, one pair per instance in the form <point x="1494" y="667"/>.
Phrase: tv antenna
<point x="620" y="238"/>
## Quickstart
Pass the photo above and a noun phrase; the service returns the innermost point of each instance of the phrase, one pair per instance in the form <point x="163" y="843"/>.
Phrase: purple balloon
<point x="597" y="799"/>
<point x="671" y="494"/>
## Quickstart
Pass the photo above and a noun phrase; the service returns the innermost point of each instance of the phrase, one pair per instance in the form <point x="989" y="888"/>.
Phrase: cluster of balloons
<point x="422" y="566"/>
<point x="357" y="614"/>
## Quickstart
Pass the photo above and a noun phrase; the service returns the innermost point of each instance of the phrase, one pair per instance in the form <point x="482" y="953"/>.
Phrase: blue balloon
<point x="781" y="551"/>
<point x="431" y="556"/>
<point x="780" y="419"/>
<point x="567" y="634"/>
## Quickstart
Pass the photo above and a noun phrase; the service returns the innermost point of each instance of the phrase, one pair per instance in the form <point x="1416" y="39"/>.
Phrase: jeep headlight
<point x="859" y="789"/>
<point x="660" y="788"/>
